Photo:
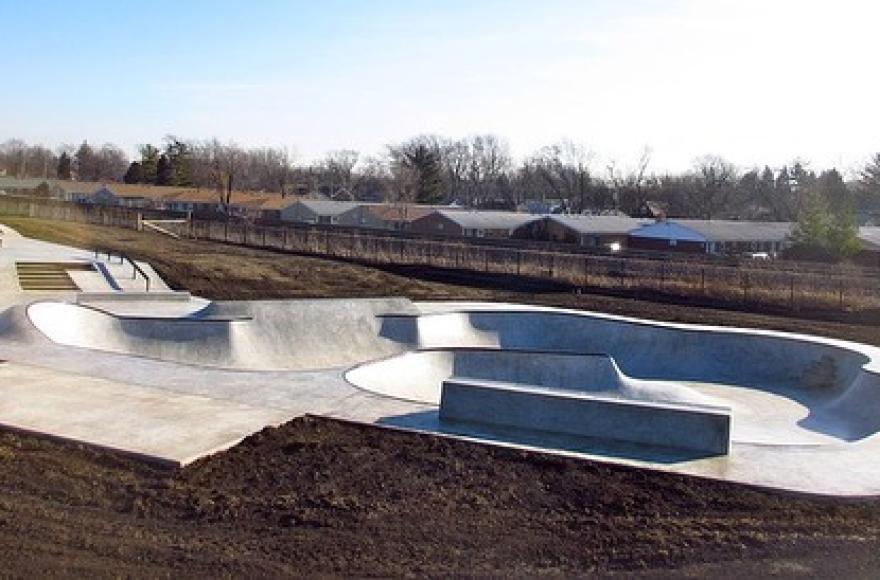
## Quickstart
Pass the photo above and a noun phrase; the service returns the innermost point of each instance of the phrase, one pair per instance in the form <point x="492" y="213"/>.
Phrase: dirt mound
<point x="321" y="496"/>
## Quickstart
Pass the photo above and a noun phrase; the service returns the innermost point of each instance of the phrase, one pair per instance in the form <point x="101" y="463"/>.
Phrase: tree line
<point x="476" y="171"/>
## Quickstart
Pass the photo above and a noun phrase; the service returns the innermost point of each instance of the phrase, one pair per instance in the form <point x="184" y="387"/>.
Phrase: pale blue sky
<point x="753" y="80"/>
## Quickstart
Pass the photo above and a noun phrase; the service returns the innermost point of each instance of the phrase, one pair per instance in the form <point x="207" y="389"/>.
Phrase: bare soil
<point x="321" y="497"/>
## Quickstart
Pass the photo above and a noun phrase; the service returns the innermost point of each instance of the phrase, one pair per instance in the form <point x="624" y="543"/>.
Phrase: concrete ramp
<point x="270" y="335"/>
<point x="419" y="376"/>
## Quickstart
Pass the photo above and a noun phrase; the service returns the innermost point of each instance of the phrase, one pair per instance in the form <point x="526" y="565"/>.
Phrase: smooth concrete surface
<point x="418" y="375"/>
<point x="683" y="426"/>
<point x="805" y="410"/>
<point x="270" y="335"/>
<point x="144" y="422"/>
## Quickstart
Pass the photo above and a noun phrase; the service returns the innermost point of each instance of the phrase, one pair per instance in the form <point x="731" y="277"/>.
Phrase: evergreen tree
<point x="827" y="227"/>
<point x="831" y="187"/>
<point x="164" y="171"/>
<point x="64" y="166"/>
<point x="86" y="165"/>
<point x="811" y="230"/>
<point x="135" y="173"/>
<point x="843" y="235"/>
<point x="869" y="183"/>
<point x="802" y="181"/>
<point x="426" y="162"/>
<point x="179" y="156"/>
<point x="785" y="196"/>
<point x="149" y="163"/>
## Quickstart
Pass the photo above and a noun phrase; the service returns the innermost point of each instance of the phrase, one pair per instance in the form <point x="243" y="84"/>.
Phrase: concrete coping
<point x="194" y="318"/>
<point x="172" y="296"/>
<point x="505" y="350"/>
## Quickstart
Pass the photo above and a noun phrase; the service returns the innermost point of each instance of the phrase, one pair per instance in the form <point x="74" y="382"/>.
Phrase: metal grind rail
<point x="136" y="269"/>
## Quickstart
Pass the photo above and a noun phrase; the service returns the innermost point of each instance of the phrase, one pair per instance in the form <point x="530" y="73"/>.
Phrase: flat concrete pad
<point x="169" y="428"/>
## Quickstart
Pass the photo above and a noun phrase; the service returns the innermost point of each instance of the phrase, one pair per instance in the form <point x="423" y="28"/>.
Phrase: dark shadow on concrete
<point x="429" y="421"/>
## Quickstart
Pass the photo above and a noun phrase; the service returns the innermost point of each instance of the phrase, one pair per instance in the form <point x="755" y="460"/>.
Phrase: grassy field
<point x="227" y="272"/>
<point x="319" y="497"/>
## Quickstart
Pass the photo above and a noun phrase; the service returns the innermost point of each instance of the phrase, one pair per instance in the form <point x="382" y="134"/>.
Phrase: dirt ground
<point x="321" y="497"/>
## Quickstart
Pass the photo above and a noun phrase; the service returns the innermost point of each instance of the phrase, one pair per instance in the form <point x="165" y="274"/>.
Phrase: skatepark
<point x="171" y="377"/>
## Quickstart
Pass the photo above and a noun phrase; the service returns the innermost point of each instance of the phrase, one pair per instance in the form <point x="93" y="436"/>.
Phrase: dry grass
<point x="229" y="272"/>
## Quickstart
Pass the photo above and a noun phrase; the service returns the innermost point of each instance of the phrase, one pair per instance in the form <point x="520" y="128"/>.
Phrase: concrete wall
<point x="536" y="409"/>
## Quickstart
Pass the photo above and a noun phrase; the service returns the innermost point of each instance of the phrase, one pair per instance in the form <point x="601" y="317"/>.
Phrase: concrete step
<point x="49" y="276"/>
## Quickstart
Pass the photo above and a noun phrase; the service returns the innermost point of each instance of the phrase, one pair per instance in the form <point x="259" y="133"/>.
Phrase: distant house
<point x="107" y="196"/>
<point x="15" y="186"/>
<point x="385" y="216"/>
<point x="657" y="210"/>
<point x="543" y="207"/>
<point x="110" y="194"/>
<point x="75" y="191"/>
<point x="317" y="211"/>
<point x="869" y="237"/>
<point x="271" y="208"/>
<point x="594" y="231"/>
<point x="476" y="224"/>
<point x="202" y="202"/>
<point x="712" y="236"/>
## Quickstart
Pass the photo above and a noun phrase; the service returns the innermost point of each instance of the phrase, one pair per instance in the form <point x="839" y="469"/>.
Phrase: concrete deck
<point x="176" y="379"/>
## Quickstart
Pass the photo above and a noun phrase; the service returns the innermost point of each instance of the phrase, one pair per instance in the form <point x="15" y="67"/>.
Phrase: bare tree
<point x="629" y="186"/>
<point x="13" y="155"/>
<point x="489" y="162"/>
<point x="564" y="169"/>
<point x="338" y="168"/>
<point x="716" y="181"/>
<point x="456" y="159"/>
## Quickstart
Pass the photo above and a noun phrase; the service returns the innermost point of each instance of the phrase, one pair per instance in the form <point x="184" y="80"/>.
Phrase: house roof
<point x="328" y="207"/>
<point x="598" y="224"/>
<point x="10" y="182"/>
<point x="716" y="231"/>
<point x="487" y="220"/>
<point x="870" y="237"/>
<point x="278" y="202"/>
<point x="399" y="213"/>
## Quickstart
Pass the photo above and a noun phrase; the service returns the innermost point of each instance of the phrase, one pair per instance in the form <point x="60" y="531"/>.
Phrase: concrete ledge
<point x="685" y="426"/>
<point x="174" y="296"/>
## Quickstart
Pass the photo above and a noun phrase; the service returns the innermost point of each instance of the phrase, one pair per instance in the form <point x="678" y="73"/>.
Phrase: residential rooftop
<point x="487" y="220"/>
<point x="716" y="230"/>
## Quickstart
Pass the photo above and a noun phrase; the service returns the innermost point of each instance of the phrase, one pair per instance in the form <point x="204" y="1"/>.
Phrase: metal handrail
<point x="125" y="258"/>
